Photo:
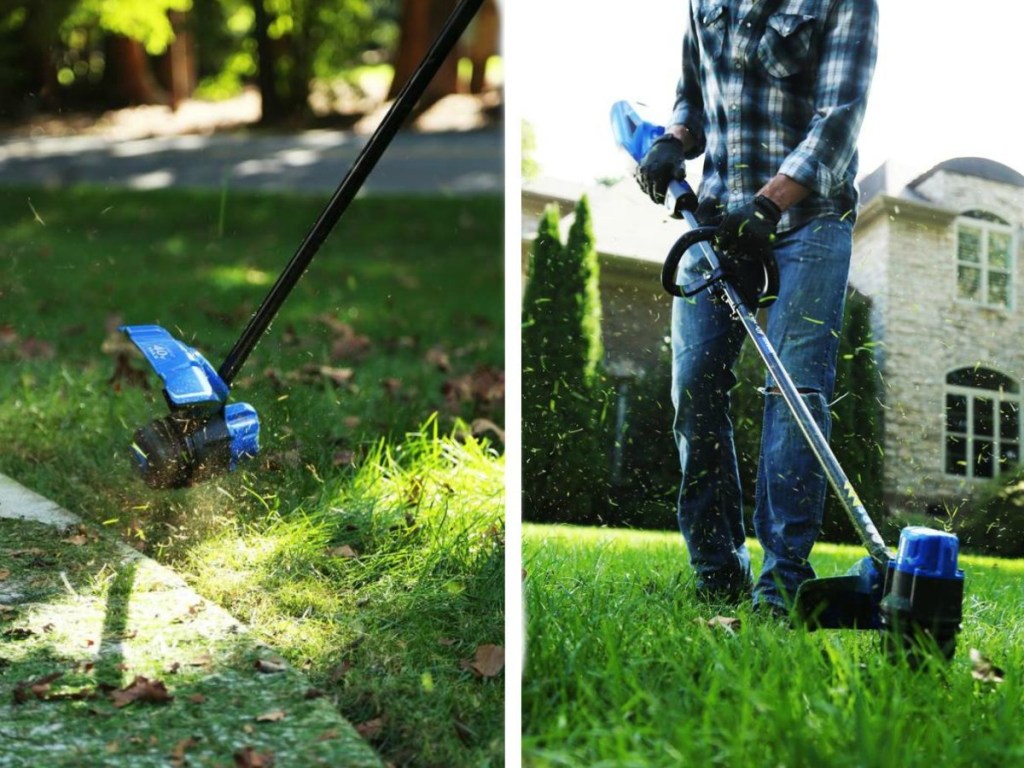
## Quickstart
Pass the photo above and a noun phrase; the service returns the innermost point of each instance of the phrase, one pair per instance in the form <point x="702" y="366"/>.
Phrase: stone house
<point x="937" y="255"/>
<point x="939" y="258"/>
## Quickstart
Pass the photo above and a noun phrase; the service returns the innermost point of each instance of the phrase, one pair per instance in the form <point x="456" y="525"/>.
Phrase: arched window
<point x="982" y="423"/>
<point x="985" y="255"/>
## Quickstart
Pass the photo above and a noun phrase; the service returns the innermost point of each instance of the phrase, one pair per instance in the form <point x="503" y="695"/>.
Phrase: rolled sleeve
<point x="689" y="104"/>
<point x="821" y="161"/>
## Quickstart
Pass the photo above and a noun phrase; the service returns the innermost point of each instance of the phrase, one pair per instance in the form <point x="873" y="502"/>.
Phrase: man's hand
<point x="663" y="163"/>
<point x="744" y="242"/>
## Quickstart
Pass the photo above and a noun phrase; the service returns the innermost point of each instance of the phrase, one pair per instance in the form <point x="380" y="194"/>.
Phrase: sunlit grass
<point x="623" y="668"/>
<point x="383" y="465"/>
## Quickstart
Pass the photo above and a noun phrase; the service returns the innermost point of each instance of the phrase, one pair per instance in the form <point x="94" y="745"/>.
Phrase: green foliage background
<point x="564" y="468"/>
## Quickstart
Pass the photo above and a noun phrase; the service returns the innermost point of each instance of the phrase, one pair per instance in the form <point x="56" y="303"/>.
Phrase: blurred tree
<point x="421" y="21"/>
<point x="29" y="32"/>
<point x="298" y="40"/>
<point x="100" y="53"/>
<point x="565" y="471"/>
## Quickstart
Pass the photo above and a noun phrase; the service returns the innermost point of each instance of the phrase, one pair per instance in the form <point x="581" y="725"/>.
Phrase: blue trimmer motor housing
<point x="923" y="598"/>
<point x="203" y="435"/>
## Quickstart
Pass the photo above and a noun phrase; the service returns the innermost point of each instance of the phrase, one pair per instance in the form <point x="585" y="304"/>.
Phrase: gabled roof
<point x="980" y="167"/>
<point x="892" y="181"/>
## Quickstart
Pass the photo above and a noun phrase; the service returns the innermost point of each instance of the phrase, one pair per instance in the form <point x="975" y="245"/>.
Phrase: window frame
<point x="986" y="224"/>
<point x="997" y="395"/>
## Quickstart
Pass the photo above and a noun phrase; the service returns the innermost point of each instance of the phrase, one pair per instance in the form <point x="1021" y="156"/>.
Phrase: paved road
<point x="312" y="161"/>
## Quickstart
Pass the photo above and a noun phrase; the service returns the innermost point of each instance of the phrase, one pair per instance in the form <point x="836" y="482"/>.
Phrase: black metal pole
<point x="349" y="187"/>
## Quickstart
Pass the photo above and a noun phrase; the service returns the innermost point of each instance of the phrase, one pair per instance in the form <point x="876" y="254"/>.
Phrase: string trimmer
<point x="204" y="435"/>
<point x="913" y="596"/>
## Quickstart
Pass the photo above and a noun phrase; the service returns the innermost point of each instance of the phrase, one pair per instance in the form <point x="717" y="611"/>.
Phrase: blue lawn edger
<point x="914" y="597"/>
<point x="204" y="435"/>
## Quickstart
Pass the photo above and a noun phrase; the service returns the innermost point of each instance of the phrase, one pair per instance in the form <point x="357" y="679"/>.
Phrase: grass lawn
<point x="366" y="543"/>
<point x="624" y="669"/>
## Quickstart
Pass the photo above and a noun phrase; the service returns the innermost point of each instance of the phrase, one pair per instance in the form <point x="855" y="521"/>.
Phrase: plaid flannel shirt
<point x="777" y="86"/>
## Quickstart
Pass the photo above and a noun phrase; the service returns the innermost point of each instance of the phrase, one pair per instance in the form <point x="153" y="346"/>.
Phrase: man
<point x="772" y="92"/>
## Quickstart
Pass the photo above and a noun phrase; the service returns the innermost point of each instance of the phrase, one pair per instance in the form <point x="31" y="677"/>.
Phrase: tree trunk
<point x="482" y="39"/>
<point x="177" y="66"/>
<point x="272" y="110"/>
<point x="128" y="79"/>
<point x="420" y="23"/>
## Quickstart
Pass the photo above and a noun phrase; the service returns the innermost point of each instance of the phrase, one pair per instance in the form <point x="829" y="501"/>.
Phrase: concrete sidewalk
<point x="109" y="659"/>
<point x="466" y="162"/>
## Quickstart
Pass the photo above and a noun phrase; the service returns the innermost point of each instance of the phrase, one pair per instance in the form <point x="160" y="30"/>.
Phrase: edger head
<point x="203" y="436"/>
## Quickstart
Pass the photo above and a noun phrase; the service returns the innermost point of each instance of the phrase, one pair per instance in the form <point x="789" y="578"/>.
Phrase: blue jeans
<point x="803" y="325"/>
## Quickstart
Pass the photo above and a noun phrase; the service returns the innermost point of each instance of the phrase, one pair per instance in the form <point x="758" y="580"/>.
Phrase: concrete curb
<point x="144" y="620"/>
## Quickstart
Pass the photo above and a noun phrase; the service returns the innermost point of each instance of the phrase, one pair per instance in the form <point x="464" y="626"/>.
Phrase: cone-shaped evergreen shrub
<point x="563" y="466"/>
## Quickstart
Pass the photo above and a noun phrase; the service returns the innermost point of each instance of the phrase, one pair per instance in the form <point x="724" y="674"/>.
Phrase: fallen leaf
<point x="348" y="343"/>
<point x="437" y="357"/>
<point x="488" y="661"/>
<point x="177" y="756"/>
<point x="38" y="687"/>
<point x="343" y="458"/>
<point x="370" y="729"/>
<point x="447" y="641"/>
<point x="273" y="716"/>
<point x="327" y="735"/>
<point x="482" y="426"/>
<point x="485" y="386"/>
<point x="78" y="540"/>
<point x="313" y="374"/>
<point x="343" y="551"/>
<point x="141" y="689"/>
<point x="5" y="574"/>
<point x="983" y="669"/>
<point x="729" y="623"/>
<point x="247" y="757"/>
<point x="391" y="385"/>
<point x="197" y="698"/>
<point x="202" y="660"/>
<point x="270" y="666"/>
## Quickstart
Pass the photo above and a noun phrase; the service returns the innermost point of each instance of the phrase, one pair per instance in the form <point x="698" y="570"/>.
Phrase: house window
<point x="985" y="247"/>
<point x="982" y="423"/>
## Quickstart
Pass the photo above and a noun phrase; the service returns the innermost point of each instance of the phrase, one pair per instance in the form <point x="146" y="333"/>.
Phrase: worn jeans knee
<point x="803" y="326"/>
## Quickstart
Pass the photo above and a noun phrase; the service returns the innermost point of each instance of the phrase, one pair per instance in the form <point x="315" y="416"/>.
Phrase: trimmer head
<point x="203" y="436"/>
<point x="915" y="599"/>
<point x="924" y="596"/>
<point x="842" y="602"/>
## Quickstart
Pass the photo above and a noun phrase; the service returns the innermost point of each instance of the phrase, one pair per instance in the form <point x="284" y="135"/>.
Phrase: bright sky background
<point x="946" y="83"/>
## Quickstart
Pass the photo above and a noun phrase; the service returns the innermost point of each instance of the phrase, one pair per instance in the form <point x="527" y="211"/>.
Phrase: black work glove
<point x="744" y="243"/>
<point x="664" y="162"/>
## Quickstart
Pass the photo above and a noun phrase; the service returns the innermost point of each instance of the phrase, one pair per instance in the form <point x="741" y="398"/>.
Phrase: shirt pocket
<point x="785" y="48"/>
<point x="711" y="25"/>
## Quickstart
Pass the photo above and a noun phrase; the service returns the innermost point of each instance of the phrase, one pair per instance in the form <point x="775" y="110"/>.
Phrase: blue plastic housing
<point x="927" y="552"/>
<point x="187" y="376"/>
<point x="632" y="132"/>
<point x="189" y="380"/>
<point x="244" y="427"/>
